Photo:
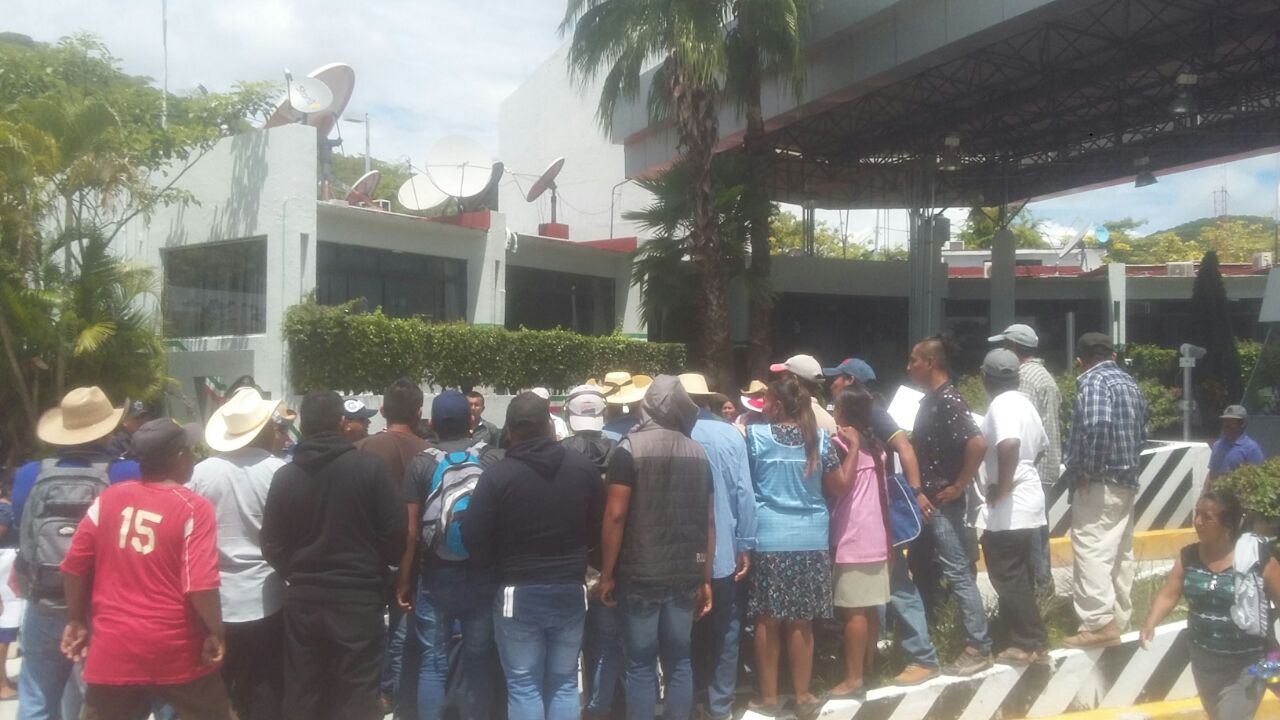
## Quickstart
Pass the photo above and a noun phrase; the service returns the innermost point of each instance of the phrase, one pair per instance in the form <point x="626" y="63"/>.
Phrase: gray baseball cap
<point x="1000" y="364"/>
<point x="1234" y="412"/>
<point x="1022" y="335"/>
<point x="157" y="443"/>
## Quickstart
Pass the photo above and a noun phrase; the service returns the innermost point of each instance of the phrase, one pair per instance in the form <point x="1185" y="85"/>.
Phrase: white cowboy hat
<point x="239" y="420"/>
<point x="695" y="384"/>
<point x="84" y="415"/>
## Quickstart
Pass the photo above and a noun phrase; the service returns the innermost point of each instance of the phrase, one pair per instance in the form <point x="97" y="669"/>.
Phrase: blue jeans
<point x="602" y="656"/>
<point x="947" y="546"/>
<point x="657" y="622"/>
<point x="447" y="596"/>
<point x="715" y="648"/>
<point x="396" y="628"/>
<point x="907" y="611"/>
<point x="46" y="690"/>
<point x="539" y="632"/>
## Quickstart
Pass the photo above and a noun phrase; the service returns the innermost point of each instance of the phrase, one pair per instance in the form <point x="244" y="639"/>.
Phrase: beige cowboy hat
<point x="84" y="415"/>
<point x="695" y="384"/>
<point x="239" y="420"/>
<point x="623" y="388"/>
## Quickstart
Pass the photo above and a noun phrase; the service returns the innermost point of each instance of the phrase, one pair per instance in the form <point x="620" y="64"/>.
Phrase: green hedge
<point x="337" y="348"/>
<point x="1163" y="416"/>
<point x="1257" y="487"/>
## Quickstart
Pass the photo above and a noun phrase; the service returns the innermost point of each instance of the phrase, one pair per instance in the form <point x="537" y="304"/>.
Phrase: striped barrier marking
<point x="991" y="694"/>
<point x="1189" y="709"/>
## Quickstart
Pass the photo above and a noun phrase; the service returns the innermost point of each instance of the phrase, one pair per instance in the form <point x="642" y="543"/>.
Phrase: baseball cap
<point x="856" y="368"/>
<point x="803" y="366"/>
<point x="353" y="409"/>
<point x="1019" y="335"/>
<point x="1234" y="412"/>
<point x="450" y="405"/>
<point x="528" y="408"/>
<point x="1094" y="343"/>
<point x="1000" y="364"/>
<point x="158" y="442"/>
<point x="135" y="409"/>
<point x="585" y="408"/>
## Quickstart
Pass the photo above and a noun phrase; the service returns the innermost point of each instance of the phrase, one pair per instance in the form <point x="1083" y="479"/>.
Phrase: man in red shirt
<point x="143" y="573"/>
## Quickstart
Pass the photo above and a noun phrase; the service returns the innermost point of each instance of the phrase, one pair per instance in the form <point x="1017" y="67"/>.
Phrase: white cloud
<point x="423" y="69"/>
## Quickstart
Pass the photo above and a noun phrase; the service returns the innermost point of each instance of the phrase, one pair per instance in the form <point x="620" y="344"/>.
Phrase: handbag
<point x="905" y="520"/>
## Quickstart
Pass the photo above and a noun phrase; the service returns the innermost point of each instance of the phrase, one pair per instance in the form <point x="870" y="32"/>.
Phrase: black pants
<point x="1011" y="567"/>
<point x="332" y="660"/>
<point x="253" y="670"/>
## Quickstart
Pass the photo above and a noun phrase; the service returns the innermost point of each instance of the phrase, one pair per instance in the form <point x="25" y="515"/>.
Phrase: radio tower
<point x="1221" y="201"/>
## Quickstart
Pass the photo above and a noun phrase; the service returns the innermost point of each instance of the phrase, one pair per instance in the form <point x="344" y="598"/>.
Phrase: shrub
<point x="1257" y="486"/>
<point x="338" y="348"/>
<point x="1163" y="415"/>
<point x="1152" y="362"/>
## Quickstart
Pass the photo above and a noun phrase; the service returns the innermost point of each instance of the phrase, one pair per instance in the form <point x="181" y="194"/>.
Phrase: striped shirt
<point x="1210" y="596"/>
<point x="1036" y="383"/>
<point x="1108" y="426"/>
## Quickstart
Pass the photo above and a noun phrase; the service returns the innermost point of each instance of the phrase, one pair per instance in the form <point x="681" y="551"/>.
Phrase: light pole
<point x="368" y="160"/>
<point x="1188" y="355"/>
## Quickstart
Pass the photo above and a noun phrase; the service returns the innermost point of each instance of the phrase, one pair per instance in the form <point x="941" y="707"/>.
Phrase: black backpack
<point x="58" y="502"/>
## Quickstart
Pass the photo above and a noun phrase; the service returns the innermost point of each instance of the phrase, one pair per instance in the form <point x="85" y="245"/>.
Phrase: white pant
<point x="1102" y="542"/>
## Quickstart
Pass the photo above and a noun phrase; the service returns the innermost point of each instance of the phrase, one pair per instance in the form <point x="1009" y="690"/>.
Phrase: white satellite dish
<point x="308" y="95"/>
<point x="339" y="82"/>
<point x="418" y="193"/>
<point x="459" y="166"/>
<point x="362" y="192"/>
<point x="547" y="181"/>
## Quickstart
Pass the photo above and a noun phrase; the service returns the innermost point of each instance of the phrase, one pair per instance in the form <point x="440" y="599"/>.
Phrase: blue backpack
<point x="452" y="485"/>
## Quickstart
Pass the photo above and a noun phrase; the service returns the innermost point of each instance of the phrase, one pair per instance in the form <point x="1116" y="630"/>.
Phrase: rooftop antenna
<point x="318" y="100"/>
<point x="547" y="181"/>
<point x="459" y="167"/>
<point x="419" y="194"/>
<point x="307" y="95"/>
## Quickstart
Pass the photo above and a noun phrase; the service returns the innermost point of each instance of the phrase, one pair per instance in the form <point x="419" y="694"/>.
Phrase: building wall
<point x="262" y="184"/>
<point x="550" y="116"/>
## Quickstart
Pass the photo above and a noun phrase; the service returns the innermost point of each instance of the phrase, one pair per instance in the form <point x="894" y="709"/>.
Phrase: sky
<point x="429" y="69"/>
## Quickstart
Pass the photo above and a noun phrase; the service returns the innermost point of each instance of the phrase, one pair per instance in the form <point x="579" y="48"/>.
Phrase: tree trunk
<point x="759" y="285"/>
<point x="698" y="128"/>
<point x="15" y="367"/>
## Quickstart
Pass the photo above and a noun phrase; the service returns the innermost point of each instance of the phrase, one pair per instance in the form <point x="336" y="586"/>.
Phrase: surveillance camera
<point x="1192" y="351"/>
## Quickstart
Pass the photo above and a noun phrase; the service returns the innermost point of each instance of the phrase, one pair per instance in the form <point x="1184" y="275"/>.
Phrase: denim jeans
<point x="946" y="549"/>
<point x="396" y="628"/>
<point x="907" y="612"/>
<point x="449" y="595"/>
<point x="715" y="649"/>
<point x="602" y="657"/>
<point x="46" y="690"/>
<point x="657" y="622"/>
<point x="539" y="633"/>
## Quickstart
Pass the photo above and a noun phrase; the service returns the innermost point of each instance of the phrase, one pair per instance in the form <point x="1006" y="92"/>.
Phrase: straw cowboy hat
<point x="695" y="384"/>
<point x="84" y="415"/>
<point x="753" y="395"/>
<point x="623" y="388"/>
<point x="239" y="420"/>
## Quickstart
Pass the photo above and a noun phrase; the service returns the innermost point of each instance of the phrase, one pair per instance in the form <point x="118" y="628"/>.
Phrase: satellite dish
<point x="1101" y="234"/>
<point x="459" y="166"/>
<point x="547" y="181"/>
<point x="339" y="81"/>
<point x="308" y="95"/>
<point x="362" y="192"/>
<point x="418" y="193"/>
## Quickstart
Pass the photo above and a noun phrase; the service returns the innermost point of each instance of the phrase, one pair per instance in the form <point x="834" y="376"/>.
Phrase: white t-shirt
<point x="1011" y="416"/>
<point x="237" y="483"/>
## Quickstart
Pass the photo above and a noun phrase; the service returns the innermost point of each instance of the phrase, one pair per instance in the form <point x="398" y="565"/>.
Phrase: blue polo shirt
<point x="25" y="478"/>
<point x="1228" y="455"/>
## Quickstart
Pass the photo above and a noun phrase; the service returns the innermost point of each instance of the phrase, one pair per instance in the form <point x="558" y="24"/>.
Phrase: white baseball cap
<point x="585" y="407"/>
<point x="802" y="366"/>
<point x="1019" y="335"/>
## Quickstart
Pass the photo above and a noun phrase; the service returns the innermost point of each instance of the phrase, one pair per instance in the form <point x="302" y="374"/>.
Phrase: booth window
<point x="402" y="284"/>
<point x="215" y="289"/>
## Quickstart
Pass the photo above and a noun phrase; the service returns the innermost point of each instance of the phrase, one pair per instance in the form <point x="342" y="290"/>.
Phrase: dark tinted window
<point x="402" y="284"/>
<point x="216" y="289"/>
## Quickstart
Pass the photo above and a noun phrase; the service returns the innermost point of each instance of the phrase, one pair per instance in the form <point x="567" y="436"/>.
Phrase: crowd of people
<point x="638" y="536"/>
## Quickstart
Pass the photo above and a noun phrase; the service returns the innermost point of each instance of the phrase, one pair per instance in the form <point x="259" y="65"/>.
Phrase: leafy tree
<point x="980" y="229"/>
<point x="765" y="38"/>
<point x="1218" y="372"/>
<point x="619" y="38"/>
<point x="84" y="150"/>
<point x="786" y="237"/>
<point x="1236" y="240"/>
<point x="1154" y="249"/>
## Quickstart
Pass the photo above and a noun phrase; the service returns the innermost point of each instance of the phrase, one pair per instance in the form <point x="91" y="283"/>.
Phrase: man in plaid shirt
<point x="1037" y="384"/>
<point x="1108" y="428"/>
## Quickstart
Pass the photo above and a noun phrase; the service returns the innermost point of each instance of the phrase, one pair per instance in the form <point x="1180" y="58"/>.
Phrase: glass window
<point x="216" y="289"/>
<point x="546" y="299"/>
<point x="402" y="284"/>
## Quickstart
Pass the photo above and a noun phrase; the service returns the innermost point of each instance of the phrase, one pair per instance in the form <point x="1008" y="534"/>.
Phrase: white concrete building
<point x="257" y="242"/>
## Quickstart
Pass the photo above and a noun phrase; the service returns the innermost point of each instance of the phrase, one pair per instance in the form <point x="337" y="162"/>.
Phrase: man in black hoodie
<point x="533" y="517"/>
<point x="332" y="526"/>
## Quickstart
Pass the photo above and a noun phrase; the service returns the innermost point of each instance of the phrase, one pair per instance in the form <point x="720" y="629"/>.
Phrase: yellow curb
<point x="1168" y="710"/>
<point x="1148" y="545"/>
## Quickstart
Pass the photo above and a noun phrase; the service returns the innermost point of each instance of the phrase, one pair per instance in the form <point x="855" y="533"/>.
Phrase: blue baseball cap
<point x="450" y="405"/>
<point x="855" y="368"/>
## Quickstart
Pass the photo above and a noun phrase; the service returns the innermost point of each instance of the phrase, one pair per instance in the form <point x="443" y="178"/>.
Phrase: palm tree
<point x="765" y="39"/>
<point x="686" y="39"/>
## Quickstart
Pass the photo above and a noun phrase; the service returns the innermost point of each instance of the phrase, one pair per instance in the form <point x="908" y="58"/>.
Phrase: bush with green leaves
<point x="337" y="348"/>
<point x="1163" y="415"/>
<point x="1257" y="487"/>
<point x="1152" y="362"/>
